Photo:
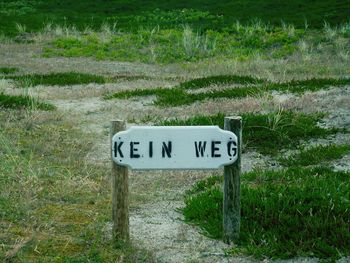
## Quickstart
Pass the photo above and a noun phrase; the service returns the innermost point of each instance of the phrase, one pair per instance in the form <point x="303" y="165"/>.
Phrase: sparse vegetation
<point x="54" y="207"/>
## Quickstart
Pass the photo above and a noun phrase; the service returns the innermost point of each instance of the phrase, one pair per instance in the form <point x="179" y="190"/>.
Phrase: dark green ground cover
<point x="7" y="70"/>
<point x="60" y="79"/>
<point x="136" y="13"/>
<point x="286" y="213"/>
<point x="27" y="102"/>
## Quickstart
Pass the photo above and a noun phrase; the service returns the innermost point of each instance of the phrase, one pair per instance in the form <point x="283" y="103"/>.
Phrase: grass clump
<point x="287" y="213"/>
<point x="314" y="84"/>
<point x="219" y="80"/>
<point x="27" y="102"/>
<point x="178" y="97"/>
<point x="316" y="155"/>
<point x="6" y="70"/>
<point x="135" y="93"/>
<point x="267" y="133"/>
<point x="61" y="79"/>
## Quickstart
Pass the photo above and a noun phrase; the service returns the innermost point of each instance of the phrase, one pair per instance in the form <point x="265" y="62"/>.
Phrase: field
<point x="131" y="14"/>
<point x="68" y="68"/>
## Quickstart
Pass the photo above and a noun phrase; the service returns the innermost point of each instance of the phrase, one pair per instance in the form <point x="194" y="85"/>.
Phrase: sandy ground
<point x="155" y="223"/>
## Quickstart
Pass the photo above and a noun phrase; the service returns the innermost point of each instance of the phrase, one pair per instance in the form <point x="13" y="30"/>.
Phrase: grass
<point x="160" y="45"/>
<point x="132" y="14"/>
<point x="61" y="79"/>
<point x="316" y="155"/>
<point x="267" y="133"/>
<point x="179" y="95"/>
<point x="7" y="70"/>
<point x="21" y="101"/>
<point x="54" y="206"/>
<point x="219" y="80"/>
<point x="287" y="213"/>
<point x="314" y="84"/>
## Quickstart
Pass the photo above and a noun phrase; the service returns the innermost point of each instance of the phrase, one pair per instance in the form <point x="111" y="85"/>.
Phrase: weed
<point x="344" y="29"/>
<point x="195" y="44"/>
<point x="287" y="213"/>
<point x="316" y="155"/>
<point x="21" y="29"/>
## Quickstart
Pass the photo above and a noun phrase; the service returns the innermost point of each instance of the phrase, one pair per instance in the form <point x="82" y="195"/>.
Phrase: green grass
<point x="181" y="44"/>
<point x="219" y="80"/>
<point x="6" y="70"/>
<point x="27" y="102"/>
<point x="61" y="79"/>
<point x="287" y="213"/>
<point x="135" y="93"/>
<point x="267" y="133"/>
<point x="178" y="95"/>
<point x="51" y="197"/>
<point x="316" y="155"/>
<point x="314" y="84"/>
<point x="132" y="14"/>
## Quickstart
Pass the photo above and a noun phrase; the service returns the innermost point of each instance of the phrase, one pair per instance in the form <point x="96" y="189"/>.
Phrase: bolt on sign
<point x="174" y="147"/>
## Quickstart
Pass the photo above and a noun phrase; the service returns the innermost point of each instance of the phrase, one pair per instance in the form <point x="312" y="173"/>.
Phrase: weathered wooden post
<point x="232" y="192"/>
<point x="181" y="147"/>
<point x="120" y="192"/>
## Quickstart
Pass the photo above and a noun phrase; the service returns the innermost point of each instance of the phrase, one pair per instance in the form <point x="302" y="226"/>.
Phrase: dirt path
<point x="155" y="223"/>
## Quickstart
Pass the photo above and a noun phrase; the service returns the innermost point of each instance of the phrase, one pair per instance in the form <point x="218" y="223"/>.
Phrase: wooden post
<point x="232" y="189"/>
<point x="120" y="193"/>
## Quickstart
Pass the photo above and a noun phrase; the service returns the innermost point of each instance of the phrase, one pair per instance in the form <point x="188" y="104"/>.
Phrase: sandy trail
<point x="155" y="222"/>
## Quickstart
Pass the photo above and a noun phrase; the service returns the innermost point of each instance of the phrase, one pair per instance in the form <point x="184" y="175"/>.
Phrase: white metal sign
<point x="174" y="147"/>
